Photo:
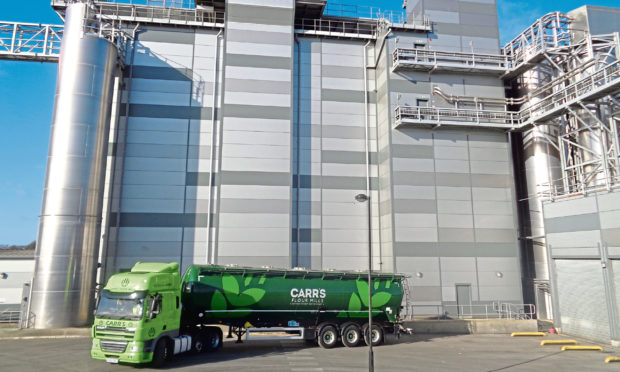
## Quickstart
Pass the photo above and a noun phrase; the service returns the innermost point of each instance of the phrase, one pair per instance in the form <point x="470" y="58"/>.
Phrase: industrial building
<point x="291" y="133"/>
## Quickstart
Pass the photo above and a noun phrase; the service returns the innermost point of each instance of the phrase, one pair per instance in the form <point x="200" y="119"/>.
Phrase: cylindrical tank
<point x="213" y="294"/>
<point x="70" y="222"/>
<point x="543" y="171"/>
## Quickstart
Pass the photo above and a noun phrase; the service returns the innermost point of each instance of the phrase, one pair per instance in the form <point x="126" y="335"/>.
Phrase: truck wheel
<point x="161" y="354"/>
<point x="213" y="338"/>
<point x="199" y="343"/>
<point x="328" y="337"/>
<point x="377" y="335"/>
<point x="351" y="335"/>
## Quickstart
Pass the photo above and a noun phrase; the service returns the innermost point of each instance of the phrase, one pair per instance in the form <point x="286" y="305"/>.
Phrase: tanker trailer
<point x="149" y="314"/>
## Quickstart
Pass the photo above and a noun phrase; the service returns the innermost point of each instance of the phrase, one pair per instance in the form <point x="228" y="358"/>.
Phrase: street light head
<point x="362" y="198"/>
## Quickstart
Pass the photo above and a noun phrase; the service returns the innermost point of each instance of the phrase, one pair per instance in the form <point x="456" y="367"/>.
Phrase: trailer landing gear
<point x="239" y="331"/>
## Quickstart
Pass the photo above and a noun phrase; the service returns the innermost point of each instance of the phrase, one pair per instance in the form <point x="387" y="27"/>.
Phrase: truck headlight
<point x="95" y="344"/>
<point x="135" y="348"/>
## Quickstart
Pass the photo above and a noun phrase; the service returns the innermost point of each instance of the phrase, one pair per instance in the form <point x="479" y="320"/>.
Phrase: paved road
<point x="411" y="353"/>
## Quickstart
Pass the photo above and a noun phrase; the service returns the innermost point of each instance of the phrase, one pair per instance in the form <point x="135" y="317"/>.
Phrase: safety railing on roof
<point x="365" y="12"/>
<point x="161" y="15"/>
<point x="337" y="27"/>
<point x="140" y="11"/>
<point x="30" y="41"/>
<point x="186" y="4"/>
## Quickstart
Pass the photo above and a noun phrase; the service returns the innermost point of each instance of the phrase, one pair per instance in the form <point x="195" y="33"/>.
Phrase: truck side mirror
<point x="154" y="306"/>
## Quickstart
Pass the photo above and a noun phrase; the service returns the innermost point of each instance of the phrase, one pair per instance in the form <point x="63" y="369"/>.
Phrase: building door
<point x="463" y="299"/>
<point x="422" y="103"/>
<point x="543" y="300"/>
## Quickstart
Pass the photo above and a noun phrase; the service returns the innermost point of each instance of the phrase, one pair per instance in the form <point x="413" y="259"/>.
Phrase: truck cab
<point x="138" y="316"/>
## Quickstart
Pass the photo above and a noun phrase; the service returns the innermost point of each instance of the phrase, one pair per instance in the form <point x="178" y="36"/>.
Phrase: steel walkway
<point x="548" y="33"/>
<point x="599" y="84"/>
<point x="30" y="41"/>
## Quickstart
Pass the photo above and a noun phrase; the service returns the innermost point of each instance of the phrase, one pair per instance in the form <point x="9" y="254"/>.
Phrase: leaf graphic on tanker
<point x="362" y="289"/>
<point x="354" y="303"/>
<point x="380" y="298"/>
<point x="248" y="279"/>
<point x="256" y="293"/>
<point x="248" y="297"/>
<point x="218" y="302"/>
<point x="230" y="285"/>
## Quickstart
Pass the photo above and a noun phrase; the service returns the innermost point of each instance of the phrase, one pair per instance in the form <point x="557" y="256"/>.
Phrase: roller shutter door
<point x="581" y="295"/>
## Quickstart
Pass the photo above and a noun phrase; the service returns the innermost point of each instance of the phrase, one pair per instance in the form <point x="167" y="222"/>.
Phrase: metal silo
<point x="70" y="222"/>
<point x="543" y="171"/>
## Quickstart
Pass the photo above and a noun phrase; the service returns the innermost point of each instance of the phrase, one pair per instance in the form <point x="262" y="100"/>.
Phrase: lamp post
<point x="371" y="358"/>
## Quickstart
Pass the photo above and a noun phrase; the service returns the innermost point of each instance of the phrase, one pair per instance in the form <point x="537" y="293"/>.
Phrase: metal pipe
<point x="211" y="160"/>
<point x="298" y="150"/>
<point x="109" y="183"/>
<point x="371" y="362"/>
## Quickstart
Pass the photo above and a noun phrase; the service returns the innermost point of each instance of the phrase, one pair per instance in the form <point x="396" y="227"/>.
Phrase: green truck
<point x="149" y="314"/>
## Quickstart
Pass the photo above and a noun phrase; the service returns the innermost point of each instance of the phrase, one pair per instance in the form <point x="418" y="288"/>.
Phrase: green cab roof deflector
<point x="155" y="267"/>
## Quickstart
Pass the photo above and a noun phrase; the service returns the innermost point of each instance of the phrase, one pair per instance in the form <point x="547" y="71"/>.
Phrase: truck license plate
<point x="112" y="360"/>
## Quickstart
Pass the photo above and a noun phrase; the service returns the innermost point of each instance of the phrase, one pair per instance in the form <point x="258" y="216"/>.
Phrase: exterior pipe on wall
<point x="211" y="252"/>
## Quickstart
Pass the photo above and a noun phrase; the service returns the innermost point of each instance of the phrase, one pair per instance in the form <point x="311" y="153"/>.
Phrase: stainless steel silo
<point x="70" y="222"/>
<point x="543" y="172"/>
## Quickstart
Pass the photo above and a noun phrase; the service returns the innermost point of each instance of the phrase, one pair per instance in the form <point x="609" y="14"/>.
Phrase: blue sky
<point x="27" y="98"/>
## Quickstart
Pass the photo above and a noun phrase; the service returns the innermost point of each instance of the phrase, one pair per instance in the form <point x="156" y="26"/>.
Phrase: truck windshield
<point x="121" y="305"/>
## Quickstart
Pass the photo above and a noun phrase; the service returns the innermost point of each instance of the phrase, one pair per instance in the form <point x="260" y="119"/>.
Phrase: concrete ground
<point x="410" y="353"/>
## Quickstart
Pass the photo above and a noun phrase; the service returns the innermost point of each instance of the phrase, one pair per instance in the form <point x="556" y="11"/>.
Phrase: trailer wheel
<point x="213" y="338"/>
<point x="377" y="335"/>
<point x="351" y="335"/>
<point x="328" y="337"/>
<point x="161" y="354"/>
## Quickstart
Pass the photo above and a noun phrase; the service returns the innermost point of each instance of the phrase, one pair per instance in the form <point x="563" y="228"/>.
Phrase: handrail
<point x="156" y="14"/>
<point x="10" y="316"/>
<point x="495" y="310"/>
<point x="439" y="115"/>
<point x="548" y="32"/>
<point x="30" y="41"/>
<point x="435" y="57"/>
<point x="188" y="4"/>
<point x="336" y="27"/>
<point x="594" y="85"/>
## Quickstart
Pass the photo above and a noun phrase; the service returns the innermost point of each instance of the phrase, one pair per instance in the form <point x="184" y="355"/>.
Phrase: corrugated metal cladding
<point x="583" y="235"/>
<point x="272" y="180"/>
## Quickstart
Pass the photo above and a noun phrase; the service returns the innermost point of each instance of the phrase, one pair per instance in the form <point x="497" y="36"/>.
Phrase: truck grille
<point x="122" y="334"/>
<point x="113" y="346"/>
